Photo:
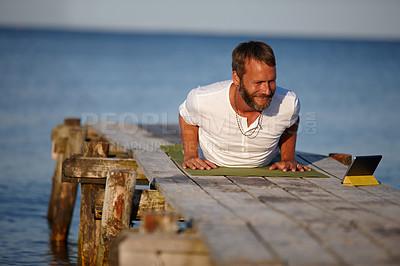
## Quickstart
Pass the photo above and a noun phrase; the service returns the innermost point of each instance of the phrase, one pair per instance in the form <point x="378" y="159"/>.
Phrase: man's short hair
<point x="251" y="50"/>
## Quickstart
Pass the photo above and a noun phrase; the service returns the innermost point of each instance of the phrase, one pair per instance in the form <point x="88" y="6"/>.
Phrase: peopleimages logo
<point x="127" y="123"/>
<point x="309" y="125"/>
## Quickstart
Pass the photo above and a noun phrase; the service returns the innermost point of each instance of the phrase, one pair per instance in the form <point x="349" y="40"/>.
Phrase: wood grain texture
<point x="63" y="195"/>
<point x="117" y="209"/>
<point x="338" y="171"/>
<point x="128" y="137"/>
<point x="273" y="220"/>
<point x="379" y="199"/>
<point x="89" y="227"/>
<point x="159" y="249"/>
<point x="281" y="235"/>
<point x="79" y="168"/>
<point x="357" y="207"/>
<point x="344" y="242"/>
<point x="147" y="200"/>
<point x="96" y="149"/>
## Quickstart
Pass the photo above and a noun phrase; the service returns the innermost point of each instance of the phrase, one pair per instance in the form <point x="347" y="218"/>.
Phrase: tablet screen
<point x="364" y="165"/>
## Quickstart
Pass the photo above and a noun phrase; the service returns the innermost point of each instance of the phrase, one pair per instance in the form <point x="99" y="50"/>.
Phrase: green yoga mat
<point x="176" y="154"/>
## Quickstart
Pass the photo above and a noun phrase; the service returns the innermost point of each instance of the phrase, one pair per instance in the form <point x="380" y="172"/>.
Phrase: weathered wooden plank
<point x="194" y="204"/>
<point x="169" y="132"/>
<point x="326" y="164"/>
<point x="385" y="192"/>
<point x="342" y="239"/>
<point x="360" y="195"/>
<point x="79" y="168"/>
<point x="382" y="230"/>
<point x="188" y="199"/>
<point x="177" y="189"/>
<point x="373" y="226"/>
<point x="281" y="220"/>
<point x="128" y="137"/>
<point x="338" y="170"/>
<point x="155" y="163"/>
<point x="235" y="244"/>
<point x="159" y="249"/>
<point x="287" y="239"/>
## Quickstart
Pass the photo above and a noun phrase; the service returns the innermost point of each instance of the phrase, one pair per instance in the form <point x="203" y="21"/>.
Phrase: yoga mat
<point x="176" y="154"/>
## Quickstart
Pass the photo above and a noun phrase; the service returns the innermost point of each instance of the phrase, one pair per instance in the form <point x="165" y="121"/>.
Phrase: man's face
<point x="258" y="84"/>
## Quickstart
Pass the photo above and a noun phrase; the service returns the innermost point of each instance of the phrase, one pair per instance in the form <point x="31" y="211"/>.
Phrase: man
<point x="242" y="122"/>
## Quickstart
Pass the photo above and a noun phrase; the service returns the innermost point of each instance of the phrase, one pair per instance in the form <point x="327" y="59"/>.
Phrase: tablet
<point x="363" y="166"/>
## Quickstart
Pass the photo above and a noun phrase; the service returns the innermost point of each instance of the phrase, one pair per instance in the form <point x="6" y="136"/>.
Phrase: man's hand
<point x="190" y="140"/>
<point x="198" y="163"/>
<point x="289" y="166"/>
<point x="287" y="144"/>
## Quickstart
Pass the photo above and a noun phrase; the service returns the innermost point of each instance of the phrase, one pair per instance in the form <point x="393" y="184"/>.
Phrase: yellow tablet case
<point x="360" y="180"/>
<point x="360" y="173"/>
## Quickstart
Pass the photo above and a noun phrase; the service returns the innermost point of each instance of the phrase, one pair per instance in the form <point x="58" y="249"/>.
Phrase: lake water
<point x="349" y="93"/>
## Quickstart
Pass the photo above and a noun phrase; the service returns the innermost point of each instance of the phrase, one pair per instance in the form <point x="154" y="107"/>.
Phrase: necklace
<point x="252" y="132"/>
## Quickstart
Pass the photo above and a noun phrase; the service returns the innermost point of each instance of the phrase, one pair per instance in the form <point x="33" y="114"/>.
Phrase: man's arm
<point x="287" y="145"/>
<point x="190" y="140"/>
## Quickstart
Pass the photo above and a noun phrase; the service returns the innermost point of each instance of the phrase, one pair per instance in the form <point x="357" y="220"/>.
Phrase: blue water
<point x="349" y="92"/>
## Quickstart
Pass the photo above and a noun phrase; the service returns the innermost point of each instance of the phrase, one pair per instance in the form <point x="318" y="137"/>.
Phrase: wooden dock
<point x="234" y="220"/>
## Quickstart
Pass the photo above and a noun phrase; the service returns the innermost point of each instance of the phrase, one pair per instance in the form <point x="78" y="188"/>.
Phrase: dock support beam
<point x="92" y="198"/>
<point x="117" y="209"/>
<point x="67" y="140"/>
<point x="103" y="177"/>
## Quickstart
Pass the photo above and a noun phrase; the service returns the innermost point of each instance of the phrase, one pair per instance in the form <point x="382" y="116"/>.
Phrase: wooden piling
<point x="56" y="182"/>
<point x="59" y="138"/>
<point x="147" y="200"/>
<point x="117" y="209"/>
<point x="67" y="140"/>
<point x="94" y="169"/>
<point x="96" y="149"/>
<point x="344" y="158"/>
<point x="92" y="198"/>
<point x="160" y="222"/>
<point x="72" y="121"/>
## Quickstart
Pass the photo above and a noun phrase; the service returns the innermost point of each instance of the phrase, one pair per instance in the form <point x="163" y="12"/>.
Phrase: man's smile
<point x="263" y="97"/>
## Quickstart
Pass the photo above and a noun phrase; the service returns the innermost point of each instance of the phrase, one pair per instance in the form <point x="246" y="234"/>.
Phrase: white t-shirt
<point x="220" y="139"/>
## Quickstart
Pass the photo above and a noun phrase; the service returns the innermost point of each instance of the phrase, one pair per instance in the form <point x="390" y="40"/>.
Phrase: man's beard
<point x="249" y="98"/>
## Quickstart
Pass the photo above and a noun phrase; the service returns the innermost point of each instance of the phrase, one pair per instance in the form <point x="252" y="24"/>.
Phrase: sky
<point x="351" y="19"/>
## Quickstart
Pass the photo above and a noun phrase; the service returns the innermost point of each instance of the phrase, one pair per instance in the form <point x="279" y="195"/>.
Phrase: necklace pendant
<point x="251" y="132"/>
